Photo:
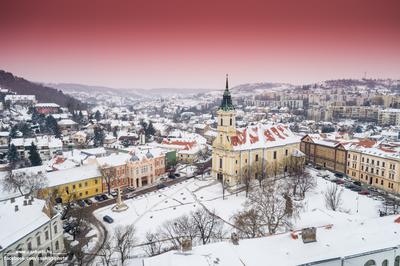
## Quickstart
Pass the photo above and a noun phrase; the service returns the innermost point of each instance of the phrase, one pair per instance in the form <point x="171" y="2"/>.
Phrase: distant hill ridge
<point x="43" y="94"/>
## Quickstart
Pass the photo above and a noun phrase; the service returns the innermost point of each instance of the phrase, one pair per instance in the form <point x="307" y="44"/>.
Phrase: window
<point x="376" y="180"/>
<point x="55" y="229"/>
<point x="95" y="181"/>
<point x="86" y="192"/>
<point x="38" y="240"/>
<point x="80" y="194"/>
<point x="274" y="155"/>
<point x="385" y="263"/>
<point x="31" y="263"/>
<point x="230" y="121"/>
<point x="370" y="263"/>
<point x="40" y="256"/>
<point x="97" y="190"/>
<point x="73" y="186"/>
<point x="256" y="157"/>
<point x="286" y="152"/>
<point x="46" y="235"/>
<point x="222" y="122"/>
<point x="397" y="261"/>
<point x="382" y="182"/>
<point x="85" y="184"/>
<point x="80" y="185"/>
<point x="57" y="245"/>
<point x="220" y="162"/>
<point x="29" y="246"/>
<point x="236" y="161"/>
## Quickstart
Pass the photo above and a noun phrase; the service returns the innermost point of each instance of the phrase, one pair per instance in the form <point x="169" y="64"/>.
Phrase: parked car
<point x="356" y="188"/>
<point x="108" y="219"/>
<point x="104" y="196"/>
<point x="339" y="175"/>
<point x="338" y="181"/>
<point x="349" y="185"/>
<point x="99" y="198"/>
<point x="171" y="176"/>
<point x="114" y="194"/>
<point x="177" y="174"/>
<point x="357" y="183"/>
<point x="364" y="192"/>
<point x="88" y="201"/>
<point x="160" y="186"/>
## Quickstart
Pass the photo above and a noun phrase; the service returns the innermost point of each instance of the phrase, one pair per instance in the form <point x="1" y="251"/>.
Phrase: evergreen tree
<point x="34" y="156"/>
<point x="52" y="126"/>
<point x="98" y="139"/>
<point x="150" y="130"/>
<point x="13" y="132"/>
<point x="26" y="130"/>
<point x="12" y="155"/>
<point x="97" y="115"/>
<point x="80" y="117"/>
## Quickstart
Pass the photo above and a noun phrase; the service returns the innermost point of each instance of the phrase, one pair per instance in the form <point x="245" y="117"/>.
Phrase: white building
<point x="47" y="146"/>
<point x="340" y="240"/>
<point x="29" y="235"/>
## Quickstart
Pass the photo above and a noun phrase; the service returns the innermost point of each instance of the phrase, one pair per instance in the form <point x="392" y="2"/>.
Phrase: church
<point x="252" y="151"/>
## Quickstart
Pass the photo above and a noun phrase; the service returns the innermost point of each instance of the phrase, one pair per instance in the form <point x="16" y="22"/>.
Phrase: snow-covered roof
<point x="17" y="224"/>
<point x="66" y="122"/>
<point x="66" y="176"/>
<point x="52" y="105"/>
<point x="41" y="141"/>
<point x="263" y="136"/>
<point x="344" y="235"/>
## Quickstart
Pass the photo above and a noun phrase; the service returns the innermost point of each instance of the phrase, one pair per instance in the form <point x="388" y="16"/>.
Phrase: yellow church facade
<point x="250" y="152"/>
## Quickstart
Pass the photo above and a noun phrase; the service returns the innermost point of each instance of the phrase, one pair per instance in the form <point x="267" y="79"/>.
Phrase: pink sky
<point x="181" y="43"/>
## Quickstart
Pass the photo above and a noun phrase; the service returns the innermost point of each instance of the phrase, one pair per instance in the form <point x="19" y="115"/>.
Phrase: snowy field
<point x="150" y="211"/>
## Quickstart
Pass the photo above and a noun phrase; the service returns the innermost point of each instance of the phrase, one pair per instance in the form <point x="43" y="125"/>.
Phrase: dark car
<point x="177" y="174"/>
<point x="356" y="188"/>
<point x="364" y="192"/>
<point x="160" y="186"/>
<point x="81" y="203"/>
<point x="171" y="176"/>
<point x="104" y="197"/>
<point x="357" y="183"/>
<point x="108" y="219"/>
<point x="88" y="201"/>
<point x="99" y="198"/>
<point x="339" y="175"/>
<point x="349" y="185"/>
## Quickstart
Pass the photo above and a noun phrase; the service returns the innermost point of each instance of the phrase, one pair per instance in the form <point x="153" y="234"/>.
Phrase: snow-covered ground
<point x="150" y="211"/>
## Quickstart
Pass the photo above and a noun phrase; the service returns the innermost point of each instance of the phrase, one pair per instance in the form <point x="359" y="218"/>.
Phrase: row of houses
<point x="78" y="175"/>
<point x="375" y="163"/>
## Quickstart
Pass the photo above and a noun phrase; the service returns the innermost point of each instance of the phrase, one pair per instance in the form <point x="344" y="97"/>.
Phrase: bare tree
<point x="306" y="183"/>
<point x="246" y="178"/>
<point x="177" y="228"/>
<point x="154" y="246"/>
<point x="107" y="251"/>
<point x="124" y="241"/>
<point x="333" y="197"/>
<point x="109" y="175"/>
<point x="249" y="223"/>
<point x="209" y="227"/>
<point x="25" y="183"/>
<point x="271" y="202"/>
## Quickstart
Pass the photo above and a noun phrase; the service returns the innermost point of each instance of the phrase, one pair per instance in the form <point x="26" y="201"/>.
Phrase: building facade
<point x="326" y="153"/>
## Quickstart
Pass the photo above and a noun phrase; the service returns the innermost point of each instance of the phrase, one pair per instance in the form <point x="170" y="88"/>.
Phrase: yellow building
<point x="251" y="151"/>
<point x="73" y="184"/>
<point x="375" y="165"/>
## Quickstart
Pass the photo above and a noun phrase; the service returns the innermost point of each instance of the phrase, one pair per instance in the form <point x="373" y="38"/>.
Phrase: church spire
<point x="226" y="104"/>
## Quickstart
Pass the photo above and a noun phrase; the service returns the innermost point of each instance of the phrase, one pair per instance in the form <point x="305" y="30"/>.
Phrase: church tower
<point x="226" y="116"/>
<point x="222" y="146"/>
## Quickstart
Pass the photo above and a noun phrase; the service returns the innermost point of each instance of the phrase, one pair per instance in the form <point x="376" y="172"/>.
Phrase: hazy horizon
<point x="182" y="44"/>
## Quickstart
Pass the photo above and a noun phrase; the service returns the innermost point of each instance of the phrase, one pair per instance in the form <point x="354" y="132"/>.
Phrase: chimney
<point x="186" y="244"/>
<point x="26" y="196"/>
<point x="29" y="202"/>
<point x="12" y="200"/>
<point x="25" y="203"/>
<point x="309" y="235"/>
<point x="16" y="208"/>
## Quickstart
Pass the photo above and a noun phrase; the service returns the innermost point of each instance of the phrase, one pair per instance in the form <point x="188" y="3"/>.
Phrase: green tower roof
<point x="226" y="103"/>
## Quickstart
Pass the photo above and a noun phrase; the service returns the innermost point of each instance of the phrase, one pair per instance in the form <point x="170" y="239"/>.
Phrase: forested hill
<point x="43" y="94"/>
